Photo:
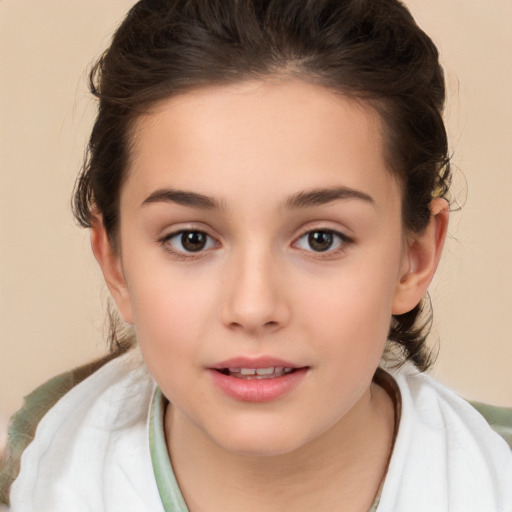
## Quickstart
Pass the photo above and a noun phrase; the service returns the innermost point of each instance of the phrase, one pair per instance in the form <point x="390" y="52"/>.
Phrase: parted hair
<point x="368" y="50"/>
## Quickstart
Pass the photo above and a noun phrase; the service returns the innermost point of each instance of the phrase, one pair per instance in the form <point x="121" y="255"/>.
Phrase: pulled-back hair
<point x="370" y="50"/>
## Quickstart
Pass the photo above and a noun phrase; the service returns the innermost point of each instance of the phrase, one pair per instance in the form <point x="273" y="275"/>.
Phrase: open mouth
<point x="257" y="373"/>
<point x="262" y="381"/>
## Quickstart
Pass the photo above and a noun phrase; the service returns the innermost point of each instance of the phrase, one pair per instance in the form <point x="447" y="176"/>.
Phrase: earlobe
<point x="109" y="261"/>
<point x="421" y="260"/>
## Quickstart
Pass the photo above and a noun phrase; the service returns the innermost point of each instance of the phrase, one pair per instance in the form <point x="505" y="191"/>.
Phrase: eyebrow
<point x="303" y="199"/>
<point x="184" y="198"/>
<point x="321" y="196"/>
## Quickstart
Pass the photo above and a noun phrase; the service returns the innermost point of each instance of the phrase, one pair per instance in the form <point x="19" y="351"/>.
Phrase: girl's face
<point x="262" y="256"/>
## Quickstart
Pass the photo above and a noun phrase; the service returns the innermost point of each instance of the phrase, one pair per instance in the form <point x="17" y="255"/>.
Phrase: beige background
<point x="51" y="293"/>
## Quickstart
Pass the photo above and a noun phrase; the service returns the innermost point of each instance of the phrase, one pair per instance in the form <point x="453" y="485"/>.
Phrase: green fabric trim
<point x="375" y="505"/>
<point x="499" y="418"/>
<point x="168" y="487"/>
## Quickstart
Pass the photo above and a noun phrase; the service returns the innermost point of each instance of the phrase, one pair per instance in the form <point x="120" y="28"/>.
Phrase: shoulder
<point x="446" y="455"/>
<point x="434" y="405"/>
<point x="499" y="418"/>
<point x="67" y="426"/>
<point x="23" y="424"/>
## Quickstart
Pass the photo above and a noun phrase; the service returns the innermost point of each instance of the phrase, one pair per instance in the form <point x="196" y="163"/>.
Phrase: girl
<point x="266" y="192"/>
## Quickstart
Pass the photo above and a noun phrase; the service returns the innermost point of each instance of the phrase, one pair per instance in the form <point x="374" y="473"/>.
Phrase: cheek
<point x="351" y="309"/>
<point x="352" y="324"/>
<point x="169" y="325"/>
<point x="170" y="315"/>
<point x="350" y="337"/>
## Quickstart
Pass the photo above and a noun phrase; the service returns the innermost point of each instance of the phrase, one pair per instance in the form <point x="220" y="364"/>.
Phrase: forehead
<point x="286" y="133"/>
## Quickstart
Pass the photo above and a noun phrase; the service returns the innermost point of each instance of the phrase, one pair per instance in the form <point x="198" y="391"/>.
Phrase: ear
<point x="109" y="260"/>
<point x="421" y="259"/>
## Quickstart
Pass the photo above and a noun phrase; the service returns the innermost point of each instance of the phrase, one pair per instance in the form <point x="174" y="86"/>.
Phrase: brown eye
<point x="189" y="241"/>
<point x="320" y="240"/>
<point x="193" y="241"/>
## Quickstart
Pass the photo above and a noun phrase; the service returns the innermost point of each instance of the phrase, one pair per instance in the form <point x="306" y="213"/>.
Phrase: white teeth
<point x="265" y="371"/>
<point x="259" y="373"/>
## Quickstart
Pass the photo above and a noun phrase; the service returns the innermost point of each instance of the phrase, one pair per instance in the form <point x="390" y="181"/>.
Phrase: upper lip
<point x="254" y="362"/>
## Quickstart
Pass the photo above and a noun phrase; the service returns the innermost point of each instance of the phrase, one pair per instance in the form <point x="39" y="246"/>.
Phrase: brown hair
<point x="371" y="50"/>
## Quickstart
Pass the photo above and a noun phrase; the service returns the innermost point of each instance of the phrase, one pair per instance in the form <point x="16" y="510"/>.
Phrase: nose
<point x="255" y="297"/>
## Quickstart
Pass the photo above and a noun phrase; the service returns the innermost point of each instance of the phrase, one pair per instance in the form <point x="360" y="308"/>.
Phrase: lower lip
<point x="257" y="390"/>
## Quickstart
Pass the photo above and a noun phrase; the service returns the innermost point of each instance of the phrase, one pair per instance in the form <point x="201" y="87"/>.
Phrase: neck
<point x="344" y="465"/>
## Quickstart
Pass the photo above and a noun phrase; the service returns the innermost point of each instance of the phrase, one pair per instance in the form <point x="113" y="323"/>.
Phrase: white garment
<point x="91" y="451"/>
<point x="446" y="457"/>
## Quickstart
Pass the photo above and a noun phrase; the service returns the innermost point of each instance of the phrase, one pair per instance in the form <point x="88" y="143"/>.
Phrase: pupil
<point x="193" y="240"/>
<point x="320" y="240"/>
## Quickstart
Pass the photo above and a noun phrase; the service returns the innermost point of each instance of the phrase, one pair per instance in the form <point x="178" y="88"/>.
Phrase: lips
<point x="257" y="380"/>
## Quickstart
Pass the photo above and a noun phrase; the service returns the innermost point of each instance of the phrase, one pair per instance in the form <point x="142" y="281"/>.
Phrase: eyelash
<point x="182" y="254"/>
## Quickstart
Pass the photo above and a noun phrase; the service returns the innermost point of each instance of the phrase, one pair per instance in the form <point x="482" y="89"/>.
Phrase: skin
<point x="259" y="288"/>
